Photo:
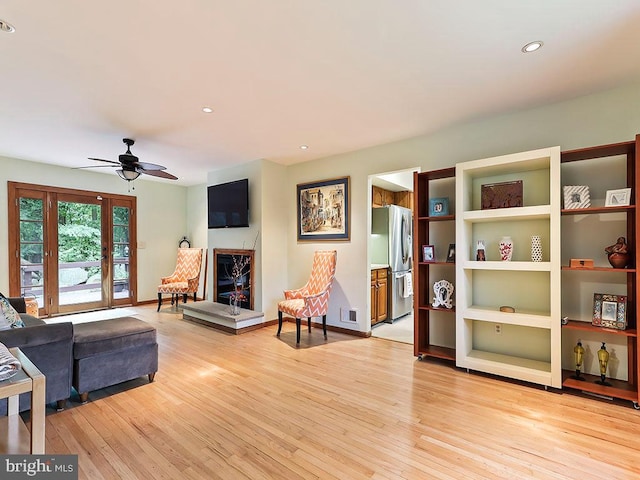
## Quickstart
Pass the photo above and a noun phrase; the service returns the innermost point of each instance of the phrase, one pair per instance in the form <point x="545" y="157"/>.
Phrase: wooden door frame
<point x="49" y="194"/>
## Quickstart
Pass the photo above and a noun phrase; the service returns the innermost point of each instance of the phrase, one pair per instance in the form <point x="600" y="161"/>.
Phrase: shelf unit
<point x="434" y="327"/>
<point x="524" y="345"/>
<point x="601" y="168"/>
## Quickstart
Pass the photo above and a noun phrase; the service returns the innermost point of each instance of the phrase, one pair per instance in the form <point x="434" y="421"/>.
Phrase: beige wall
<point x="161" y="215"/>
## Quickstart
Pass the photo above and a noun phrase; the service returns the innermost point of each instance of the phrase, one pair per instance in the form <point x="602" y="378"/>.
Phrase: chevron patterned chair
<point x="312" y="300"/>
<point x="186" y="277"/>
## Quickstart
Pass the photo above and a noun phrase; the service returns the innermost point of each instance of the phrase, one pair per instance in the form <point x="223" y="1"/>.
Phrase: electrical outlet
<point x="498" y="328"/>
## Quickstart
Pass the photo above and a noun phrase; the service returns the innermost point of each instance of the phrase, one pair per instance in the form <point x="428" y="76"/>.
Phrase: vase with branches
<point x="240" y="269"/>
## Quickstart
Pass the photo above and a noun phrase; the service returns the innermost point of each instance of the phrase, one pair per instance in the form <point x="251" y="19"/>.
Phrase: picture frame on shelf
<point x="438" y="207"/>
<point x="428" y="253"/>
<point x="576" y="196"/>
<point x="315" y="221"/>
<point x="618" y="198"/>
<point x="451" y="253"/>
<point x="609" y="311"/>
<point x="501" y="195"/>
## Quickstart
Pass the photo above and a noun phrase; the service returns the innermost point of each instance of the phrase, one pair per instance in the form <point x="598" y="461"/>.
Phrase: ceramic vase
<point x="506" y="249"/>
<point x="536" y="248"/>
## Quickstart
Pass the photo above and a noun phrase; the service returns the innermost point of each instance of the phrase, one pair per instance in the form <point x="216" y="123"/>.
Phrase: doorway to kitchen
<point x="391" y="255"/>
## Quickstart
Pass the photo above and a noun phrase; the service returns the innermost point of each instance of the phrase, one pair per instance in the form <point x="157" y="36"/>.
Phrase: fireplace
<point x="223" y="262"/>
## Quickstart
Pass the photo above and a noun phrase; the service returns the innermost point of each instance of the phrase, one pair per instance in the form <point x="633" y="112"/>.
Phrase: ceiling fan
<point x="131" y="168"/>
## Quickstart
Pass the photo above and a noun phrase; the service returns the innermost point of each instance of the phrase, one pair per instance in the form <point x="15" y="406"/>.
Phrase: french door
<point x="71" y="250"/>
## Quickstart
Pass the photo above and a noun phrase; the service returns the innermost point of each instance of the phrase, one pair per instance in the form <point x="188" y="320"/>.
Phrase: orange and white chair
<point x="186" y="277"/>
<point x="312" y="300"/>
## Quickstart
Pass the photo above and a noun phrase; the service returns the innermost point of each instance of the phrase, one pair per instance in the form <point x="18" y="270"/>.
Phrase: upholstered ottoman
<point x="108" y="352"/>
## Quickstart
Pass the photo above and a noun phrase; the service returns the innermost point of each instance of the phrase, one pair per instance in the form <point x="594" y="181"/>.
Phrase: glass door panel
<point x="31" y="235"/>
<point x="121" y="250"/>
<point x="80" y="254"/>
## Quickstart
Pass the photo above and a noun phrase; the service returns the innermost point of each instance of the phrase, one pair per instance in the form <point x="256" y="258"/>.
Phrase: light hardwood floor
<point x="254" y="407"/>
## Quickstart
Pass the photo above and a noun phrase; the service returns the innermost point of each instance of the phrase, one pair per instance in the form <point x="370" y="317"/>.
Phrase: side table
<point x="15" y="438"/>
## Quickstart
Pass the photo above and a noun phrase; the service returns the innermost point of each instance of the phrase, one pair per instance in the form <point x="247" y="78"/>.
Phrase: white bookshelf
<point x="524" y="345"/>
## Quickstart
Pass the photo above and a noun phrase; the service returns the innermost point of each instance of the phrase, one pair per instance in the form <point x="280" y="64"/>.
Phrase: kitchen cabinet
<point x="379" y="295"/>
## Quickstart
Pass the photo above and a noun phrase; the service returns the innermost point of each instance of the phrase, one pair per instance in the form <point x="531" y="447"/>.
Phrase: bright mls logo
<point x="58" y="467"/>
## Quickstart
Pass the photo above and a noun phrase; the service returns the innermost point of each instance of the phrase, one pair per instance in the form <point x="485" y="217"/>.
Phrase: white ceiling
<point x="337" y="75"/>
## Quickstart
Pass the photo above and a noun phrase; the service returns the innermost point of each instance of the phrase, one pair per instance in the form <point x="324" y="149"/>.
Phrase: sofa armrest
<point x="18" y="303"/>
<point x="37" y="335"/>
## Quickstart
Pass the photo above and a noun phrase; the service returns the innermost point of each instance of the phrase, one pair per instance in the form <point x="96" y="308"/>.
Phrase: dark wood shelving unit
<point x="630" y="389"/>
<point x="423" y="271"/>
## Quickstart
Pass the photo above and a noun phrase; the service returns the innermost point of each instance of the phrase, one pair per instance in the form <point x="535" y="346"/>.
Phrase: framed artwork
<point x="609" y="311"/>
<point x="323" y="210"/>
<point x="428" y="253"/>
<point x="451" y="253"/>
<point x="617" y="198"/>
<point x="501" y="195"/>
<point x="438" y="207"/>
<point x="576" y="196"/>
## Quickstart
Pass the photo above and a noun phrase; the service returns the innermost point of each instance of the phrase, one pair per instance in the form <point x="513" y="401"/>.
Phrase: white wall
<point x="161" y="215"/>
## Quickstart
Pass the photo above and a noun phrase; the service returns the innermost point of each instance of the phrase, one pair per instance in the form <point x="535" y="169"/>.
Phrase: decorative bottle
<point x="506" y="249"/>
<point x="536" y="248"/>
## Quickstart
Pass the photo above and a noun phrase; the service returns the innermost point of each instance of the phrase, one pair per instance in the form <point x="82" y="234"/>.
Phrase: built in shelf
<point x="437" y="351"/>
<point x="519" y="318"/>
<point x="601" y="269"/>
<point x="618" y="389"/>
<point x="514" y="213"/>
<point x="592" y="210"/>
<point x="438" y="309"/>
<point x="502" y="265"/>
<point x="439" y="218"/>
<point x="586" y="326"/>
<point x="534" y="371"/>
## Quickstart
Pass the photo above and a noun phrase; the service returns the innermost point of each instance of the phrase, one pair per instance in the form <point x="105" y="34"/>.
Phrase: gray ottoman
<point x="108" y="352"/>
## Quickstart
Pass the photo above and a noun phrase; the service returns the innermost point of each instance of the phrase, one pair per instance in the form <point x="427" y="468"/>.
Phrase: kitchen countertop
<point x="378" y="266"/>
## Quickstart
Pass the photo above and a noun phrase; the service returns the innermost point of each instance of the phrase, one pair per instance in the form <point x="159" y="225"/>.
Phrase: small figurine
<point x="480" y="251"/>
<point x="578" y="352"/>
<point x="618" y="253"/>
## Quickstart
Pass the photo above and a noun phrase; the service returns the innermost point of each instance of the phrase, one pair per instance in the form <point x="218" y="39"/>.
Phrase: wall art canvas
<point x="323" y="210"/>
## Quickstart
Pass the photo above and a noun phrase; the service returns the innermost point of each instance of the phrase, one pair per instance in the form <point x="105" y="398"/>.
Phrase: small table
<point x="14" y="435"/>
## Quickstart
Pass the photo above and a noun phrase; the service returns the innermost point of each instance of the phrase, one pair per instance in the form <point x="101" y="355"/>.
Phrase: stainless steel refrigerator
<point x="392" y="244"/>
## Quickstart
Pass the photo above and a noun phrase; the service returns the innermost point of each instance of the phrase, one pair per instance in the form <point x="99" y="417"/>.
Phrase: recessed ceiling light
<point x="6" y="27"/>
<point x="532" y="46"/>
<point x="304" y="147"/>
<point x="207" y="109"/>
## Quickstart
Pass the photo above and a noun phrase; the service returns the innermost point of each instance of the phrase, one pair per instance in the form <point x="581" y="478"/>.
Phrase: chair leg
<point x="184" y="298"/>
<point x="309" y="324"/>
<point x="279" y="323"/>
<point x="297" y="331"/>
<point x="159" y="301"/>
<point x="194" y="296"/>
<point x="324" y="326"/>
<point x="172" y="299"/>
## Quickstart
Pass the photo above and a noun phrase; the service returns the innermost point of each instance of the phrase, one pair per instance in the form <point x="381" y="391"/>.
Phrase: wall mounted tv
<point x="228" y="204"/>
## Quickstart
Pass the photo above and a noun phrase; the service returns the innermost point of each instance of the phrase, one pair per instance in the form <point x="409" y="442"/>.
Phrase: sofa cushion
<point x="9" y="316"/>
<point x="94" y="338"/>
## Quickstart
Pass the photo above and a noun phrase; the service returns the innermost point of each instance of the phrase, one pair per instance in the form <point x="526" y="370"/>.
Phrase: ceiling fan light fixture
<point x="128" y="175"/>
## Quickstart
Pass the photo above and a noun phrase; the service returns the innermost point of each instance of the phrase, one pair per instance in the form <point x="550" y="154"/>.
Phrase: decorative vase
<point x="536" y="248"/>
<point x="480" y="256"/>
<point x="234" y="301"/>
<point x="618" y="253"/>
<point x="506" y="249"/>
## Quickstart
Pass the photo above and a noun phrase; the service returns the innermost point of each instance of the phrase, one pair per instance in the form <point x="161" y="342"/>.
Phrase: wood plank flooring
<point x="254" y="407"/>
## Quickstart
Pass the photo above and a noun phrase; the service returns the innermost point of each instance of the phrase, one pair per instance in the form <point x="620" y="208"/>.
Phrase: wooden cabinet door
<point x="382" y="296"/>
<point x="389" y="197"/>
<point x="374" y="297"/>
<point x="377" y="197"/>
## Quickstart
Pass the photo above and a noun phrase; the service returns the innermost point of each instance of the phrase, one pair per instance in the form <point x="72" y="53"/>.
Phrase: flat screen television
<point x="228" y="204"/>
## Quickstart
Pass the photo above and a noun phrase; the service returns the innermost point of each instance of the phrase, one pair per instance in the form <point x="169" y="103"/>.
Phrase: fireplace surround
<point x="223" y="261"/>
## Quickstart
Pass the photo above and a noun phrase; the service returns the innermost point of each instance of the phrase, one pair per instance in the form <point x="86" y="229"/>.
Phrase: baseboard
<point x="331" y="328"/>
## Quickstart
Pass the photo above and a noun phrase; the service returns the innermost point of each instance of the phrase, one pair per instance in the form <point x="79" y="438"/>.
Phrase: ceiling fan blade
<point x="107" y="161"/>
<point x="158" y="173"/>
<point x="94" y="166"/>
<point x="149" y="166"/>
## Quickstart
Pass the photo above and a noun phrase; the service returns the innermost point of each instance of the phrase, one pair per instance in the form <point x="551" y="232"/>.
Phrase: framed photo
<point x="451" y="253"/>
<point x="501" y="195"/>
<point x="323" y="210"/>
<point x="576" y="196"/>
<point x="428" y="253"/>
<point x="617" y="198"/>
<point x="438" y="207"/>
<point x="609" y="311"/>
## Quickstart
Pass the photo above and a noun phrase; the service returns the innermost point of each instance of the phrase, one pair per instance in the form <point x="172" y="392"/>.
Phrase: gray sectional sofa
<point x="49" y="347"/>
